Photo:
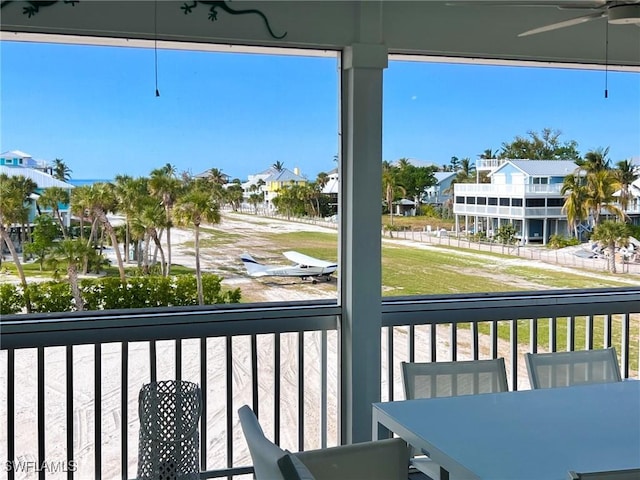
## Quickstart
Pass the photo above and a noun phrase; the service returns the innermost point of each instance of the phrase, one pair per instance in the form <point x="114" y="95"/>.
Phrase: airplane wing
<point x="302" y="259"/>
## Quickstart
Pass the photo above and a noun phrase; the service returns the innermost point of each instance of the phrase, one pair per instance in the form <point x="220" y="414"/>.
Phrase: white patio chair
<point x="563" y="369"/>
<point x="378" y="460"/>
<point x="450" y="379"/>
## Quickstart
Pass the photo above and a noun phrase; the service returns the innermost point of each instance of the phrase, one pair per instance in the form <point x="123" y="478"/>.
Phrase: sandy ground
<point x="226" y="262"/>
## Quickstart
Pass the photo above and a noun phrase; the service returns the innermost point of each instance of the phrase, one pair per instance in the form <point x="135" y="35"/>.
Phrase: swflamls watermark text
<point x="48" y="466"/>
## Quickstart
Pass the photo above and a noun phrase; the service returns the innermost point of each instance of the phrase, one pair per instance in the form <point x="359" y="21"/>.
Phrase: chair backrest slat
<point x="563" y="369"/>
<point x="450" y="379"/>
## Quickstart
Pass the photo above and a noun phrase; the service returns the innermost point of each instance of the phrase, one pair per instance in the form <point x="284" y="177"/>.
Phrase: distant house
<point x="17" y="158"/>
<point x="441" y="192"/>
<point x="43" y="181"/>
<point x="271" y="181"/>
<point x="525" y="193"/>
<point x="207" y="174"/>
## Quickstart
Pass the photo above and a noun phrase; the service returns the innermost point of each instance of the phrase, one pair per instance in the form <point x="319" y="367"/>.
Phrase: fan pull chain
<point x="155" y="42"/>
<point x="606" y="59"/>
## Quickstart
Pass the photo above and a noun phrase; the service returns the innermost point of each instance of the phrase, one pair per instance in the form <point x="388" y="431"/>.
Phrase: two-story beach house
<point x="525" y="193"/>
<point x="273" y="180"/>
<point x="439" y="193"/>
<point x="17" y="163"/>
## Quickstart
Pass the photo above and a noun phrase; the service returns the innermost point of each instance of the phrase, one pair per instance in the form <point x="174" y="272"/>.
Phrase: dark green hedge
<point x="109" y="293"/>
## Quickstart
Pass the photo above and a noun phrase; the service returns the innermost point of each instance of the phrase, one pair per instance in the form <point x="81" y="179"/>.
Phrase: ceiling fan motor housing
<point x="624" y="14"/>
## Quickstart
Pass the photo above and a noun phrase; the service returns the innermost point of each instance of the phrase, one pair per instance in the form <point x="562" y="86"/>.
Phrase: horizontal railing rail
<point x="280" y="358"/>
<point x="459" y="327"/>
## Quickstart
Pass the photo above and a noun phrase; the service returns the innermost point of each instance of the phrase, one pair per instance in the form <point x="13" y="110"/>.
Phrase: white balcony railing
<point x="496" y="190"/>
<point x="282" y="359"/>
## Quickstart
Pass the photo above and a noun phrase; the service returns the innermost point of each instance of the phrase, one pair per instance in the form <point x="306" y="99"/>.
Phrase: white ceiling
<point x="452" y="29"/>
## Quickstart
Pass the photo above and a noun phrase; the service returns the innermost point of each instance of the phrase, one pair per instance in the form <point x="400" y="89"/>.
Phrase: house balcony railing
<point x="282" y="359"/>
<point x="513" y="212"/>
<point x="496" y="190"/>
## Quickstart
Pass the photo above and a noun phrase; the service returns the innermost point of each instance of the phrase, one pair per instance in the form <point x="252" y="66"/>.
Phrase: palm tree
<point x="600" y="194"/>
<point x="71" y="253"/>
<point x="595" y="160"/>
<point x="216" y="177"/>
<point x="488" y="154"/>
<point x="575" y="205"/>
<point x="50" y="198"/>
<point x="60" y="170"/>
<point x="611" y="234"/>
<point x="278" y="166"/>
<point x="165" y="186"/>
<point x="80" y="204"/>
<point x="103" y="200"/>
<point x="625" y="174"/>
<point x="12" y="211"/>
<point x="193" y="208"/>
<point x="390" y="185"/>
<point x="466" y="171"/>
<point x="144" y="224"/>
<point x="130" y="193"/>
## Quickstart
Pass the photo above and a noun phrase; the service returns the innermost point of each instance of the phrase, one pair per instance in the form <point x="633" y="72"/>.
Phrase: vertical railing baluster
<point x="571" y="333"/>
<point x="98" y="410"/>
<point x="513" y="327"/>
<point x="301" y="391"/>
<point x="533" y="335"/>
<point x="153" y="355"/>
<point x="41" y="412"/>
<point x="324" y="365"/>
<point x="493" y="332"/>
<point x="229" y="413"/>
<point x="588" y="334"/>
<point x="390" y="363"/>
<point x="178" y="359"/>
<point x="453" y="340"/>
<point x="625" y="345"/>
<point x="276" y="388"/>
<point x="475" y="342"/>
<point x="412" y="343"/>
<point x="433" y="340"/>
<point x="124" y="416"/>
<point x="553" y="323"/>
<point x="11" y="412"/>
<point x="254" y="374"/>
<point x="607" y="330"/>
<point x="69" y="409"/>
<point x="203" y="415"/>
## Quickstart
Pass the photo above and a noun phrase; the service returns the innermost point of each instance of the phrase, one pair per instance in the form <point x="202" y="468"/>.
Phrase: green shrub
<point x="559" y="241"/>
<point x="11" y="299"/>
<point x="51" y="297"/>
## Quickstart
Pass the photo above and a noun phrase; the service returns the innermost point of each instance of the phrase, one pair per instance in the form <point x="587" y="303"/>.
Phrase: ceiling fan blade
<point x="566" y="23"/>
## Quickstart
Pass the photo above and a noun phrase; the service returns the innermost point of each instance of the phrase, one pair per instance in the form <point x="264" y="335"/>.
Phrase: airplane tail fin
<point x="251" y="264"/>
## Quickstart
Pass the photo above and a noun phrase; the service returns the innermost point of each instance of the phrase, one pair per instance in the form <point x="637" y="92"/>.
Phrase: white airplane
<point x="303" y="267"/>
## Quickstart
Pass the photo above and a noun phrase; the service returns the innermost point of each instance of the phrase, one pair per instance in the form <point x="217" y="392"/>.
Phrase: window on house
<point x="540" y="180"/>
<point x="471" y="200"/>
<point x="535" y="202"/>
<point x="482" y="200"/>
<point x="505" y="202"/>
<point x="493" y="201"/>
<point x="555" y="202"/>
<point x="516" y="202"/>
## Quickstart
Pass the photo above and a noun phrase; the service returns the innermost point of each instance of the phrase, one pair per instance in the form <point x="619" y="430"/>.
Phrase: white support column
<point x="360" y="240"/>
<point x="544" y="231"/>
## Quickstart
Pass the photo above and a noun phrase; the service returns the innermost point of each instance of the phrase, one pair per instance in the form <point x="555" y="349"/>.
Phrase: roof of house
<point x="442" y="176"/>
<point x="43" y="180"/>
<point x="284" y="176"/>
<point x="15" y="154"/>
<point x="546" y="168"/>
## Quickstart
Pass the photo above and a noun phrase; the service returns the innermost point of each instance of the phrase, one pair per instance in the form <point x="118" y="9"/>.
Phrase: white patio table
<point x="531" y="434"/>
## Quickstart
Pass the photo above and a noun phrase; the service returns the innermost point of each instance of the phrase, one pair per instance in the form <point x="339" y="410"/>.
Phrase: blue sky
<point x="95" y="107"/>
